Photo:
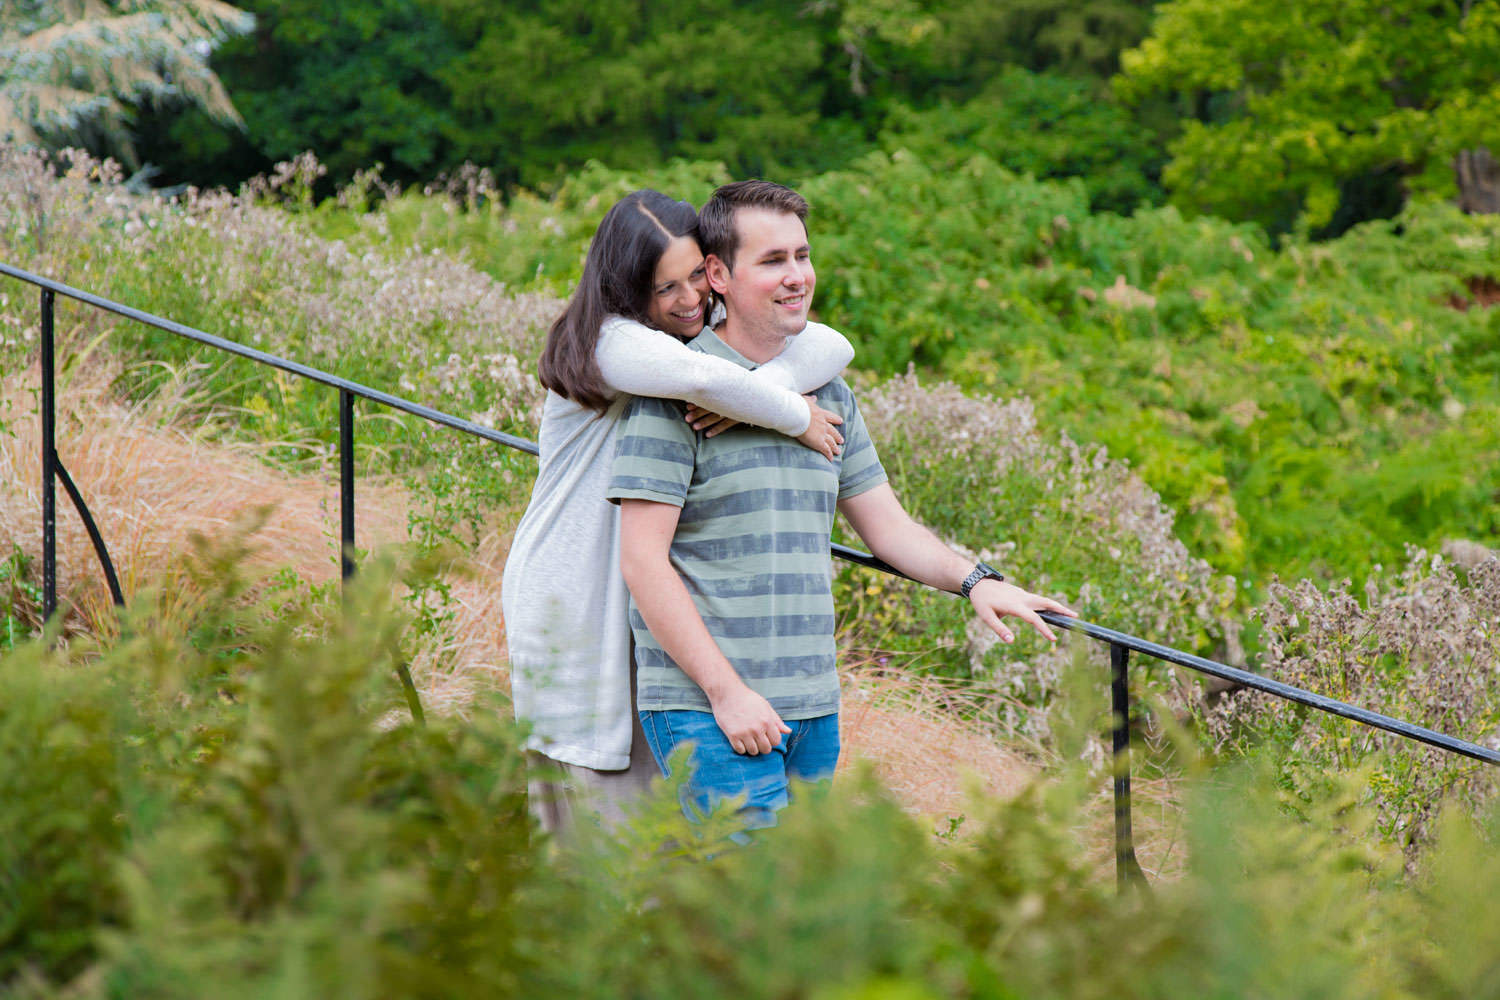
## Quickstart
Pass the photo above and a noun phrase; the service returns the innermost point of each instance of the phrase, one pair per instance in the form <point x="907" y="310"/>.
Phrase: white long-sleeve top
<point x="564" y="599"/>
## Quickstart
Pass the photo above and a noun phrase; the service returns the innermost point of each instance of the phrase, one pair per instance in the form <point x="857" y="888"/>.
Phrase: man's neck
<point x="757" y="346"/>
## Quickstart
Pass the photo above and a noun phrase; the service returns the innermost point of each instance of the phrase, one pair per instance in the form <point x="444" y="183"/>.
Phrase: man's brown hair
<point x="716" y="232"/>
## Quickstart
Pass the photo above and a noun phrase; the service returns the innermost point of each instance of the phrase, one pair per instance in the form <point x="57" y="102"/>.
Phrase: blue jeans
<point x="808" y="753"/>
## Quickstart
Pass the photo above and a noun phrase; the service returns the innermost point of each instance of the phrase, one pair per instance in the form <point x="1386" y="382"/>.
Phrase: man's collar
<point x="709" y="343"/>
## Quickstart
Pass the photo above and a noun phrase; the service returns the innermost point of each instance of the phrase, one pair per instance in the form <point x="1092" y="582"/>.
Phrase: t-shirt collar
<point x="709" y="343"/>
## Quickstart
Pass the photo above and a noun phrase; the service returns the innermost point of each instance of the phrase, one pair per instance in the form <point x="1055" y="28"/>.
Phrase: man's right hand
<point x="748" y="720"/>
<point x="822" y="432"/>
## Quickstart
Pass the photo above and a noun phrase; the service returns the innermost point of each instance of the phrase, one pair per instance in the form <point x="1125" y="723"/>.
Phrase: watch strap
<point x="981" y="571"/>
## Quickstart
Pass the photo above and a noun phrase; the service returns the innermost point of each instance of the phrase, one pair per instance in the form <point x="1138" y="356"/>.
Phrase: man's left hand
<point x="995" y="599"/>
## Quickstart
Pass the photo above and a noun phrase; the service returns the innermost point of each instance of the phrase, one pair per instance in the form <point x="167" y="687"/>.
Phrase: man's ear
<point x="718" y="273"/>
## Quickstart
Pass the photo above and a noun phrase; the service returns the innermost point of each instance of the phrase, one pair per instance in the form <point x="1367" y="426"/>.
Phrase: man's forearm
<point x="924" y="557"/>
<point x="896" y="538"/>
<point x="893" y="536"/>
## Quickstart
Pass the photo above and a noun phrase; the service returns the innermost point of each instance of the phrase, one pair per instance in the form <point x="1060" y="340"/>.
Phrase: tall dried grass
<point x="150" y="482"/>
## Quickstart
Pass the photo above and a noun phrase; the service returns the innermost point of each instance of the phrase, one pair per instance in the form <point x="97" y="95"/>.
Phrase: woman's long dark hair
<point x="617" y="279"/>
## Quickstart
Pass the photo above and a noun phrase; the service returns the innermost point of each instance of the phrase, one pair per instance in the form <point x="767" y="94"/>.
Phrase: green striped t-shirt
<point x="751" y="543"/>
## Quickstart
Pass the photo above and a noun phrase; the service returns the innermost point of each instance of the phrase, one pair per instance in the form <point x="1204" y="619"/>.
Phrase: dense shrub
<point x="212" y="806"/>
<point x="1041" y="124"/>
<point x="1422" y="645"/>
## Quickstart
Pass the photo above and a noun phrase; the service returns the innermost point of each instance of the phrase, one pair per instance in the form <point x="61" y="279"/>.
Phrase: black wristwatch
<point x="982" y="571"/>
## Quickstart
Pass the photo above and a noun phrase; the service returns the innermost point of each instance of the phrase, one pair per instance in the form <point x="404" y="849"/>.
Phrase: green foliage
<point x="1316" y="95"/>
<point x="1307" y="411"/>
<point x="1045" y="125"/>
<point x="17" y="592"/>
<point x="61" y="825"/>
<point x="244" y="819"/>
<point x="73" y="72"/>
<point x="1081" y="38"/>
<point x="555" y="82"/>
<point x="531" y="91"/>
<point x="360" y="86"/>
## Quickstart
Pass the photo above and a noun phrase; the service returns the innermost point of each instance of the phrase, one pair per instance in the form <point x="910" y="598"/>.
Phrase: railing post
<point x="1127" y="869"/>
<point x="49" y="458"/>
<point x="346" y="483"/>
<point x="346" y="535"/>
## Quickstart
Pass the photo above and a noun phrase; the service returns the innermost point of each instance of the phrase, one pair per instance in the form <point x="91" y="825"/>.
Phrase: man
<point x="724" y="540"/>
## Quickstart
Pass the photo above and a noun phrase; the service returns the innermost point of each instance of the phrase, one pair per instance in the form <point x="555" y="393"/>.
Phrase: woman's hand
<point x="822" y="432"/>
<point x="708" y="421"/>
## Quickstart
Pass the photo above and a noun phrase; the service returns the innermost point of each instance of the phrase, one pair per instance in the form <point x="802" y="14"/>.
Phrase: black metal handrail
<point x="1127" y="869"/>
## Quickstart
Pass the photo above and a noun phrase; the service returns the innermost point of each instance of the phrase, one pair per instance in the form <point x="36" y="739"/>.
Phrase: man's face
<point x="771" y="287"/>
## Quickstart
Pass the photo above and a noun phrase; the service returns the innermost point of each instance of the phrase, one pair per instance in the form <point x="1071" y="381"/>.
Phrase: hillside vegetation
<point x="216" y="790"/>
<point x="990" y="474"/>
<point x="1309" y="410"/>
<point x="1170" y="309"/>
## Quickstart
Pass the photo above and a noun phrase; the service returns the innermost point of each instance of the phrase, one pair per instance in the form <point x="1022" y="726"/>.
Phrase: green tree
<point x="1075" y="37"/>
<point x="73" y="71"/>
<point x="548" y="83"/>
<point x="1041" y="124"/>
<point x="359" y="83"/>
<point x="1300" y="107"/>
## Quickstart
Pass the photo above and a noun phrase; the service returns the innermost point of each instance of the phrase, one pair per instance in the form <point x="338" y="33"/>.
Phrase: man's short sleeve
<point x="860" y="470"/>
<point x="655" y="453"/>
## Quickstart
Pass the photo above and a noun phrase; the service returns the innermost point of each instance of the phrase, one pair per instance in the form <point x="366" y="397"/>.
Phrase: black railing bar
<point x="346" y="484"/>
<point x="49" y="457"/>
<point x="1244" y="677"/>
<point x="1127" y="867"/>
<point x="1281" y="690"/>
<point x="866" y="559"/>
<point x="111" y="579"/>
<point x="1167" y="653"/>
<point x="285" y="364"/>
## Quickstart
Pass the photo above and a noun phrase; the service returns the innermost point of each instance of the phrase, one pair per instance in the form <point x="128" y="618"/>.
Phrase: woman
<point x="564" y="600"/>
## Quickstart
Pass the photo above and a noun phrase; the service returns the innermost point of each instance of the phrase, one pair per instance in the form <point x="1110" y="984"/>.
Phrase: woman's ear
<point x="718" y="273"/>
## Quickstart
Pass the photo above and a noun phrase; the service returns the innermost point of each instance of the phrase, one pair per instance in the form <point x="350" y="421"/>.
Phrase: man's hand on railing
<point x="995" y="599"/>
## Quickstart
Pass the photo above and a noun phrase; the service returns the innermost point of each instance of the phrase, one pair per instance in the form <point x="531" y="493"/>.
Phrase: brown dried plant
<point x="1422" y="645"/>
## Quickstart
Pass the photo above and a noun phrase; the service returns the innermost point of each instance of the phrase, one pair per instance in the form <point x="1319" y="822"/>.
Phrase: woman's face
<point x="679" y="290"/>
